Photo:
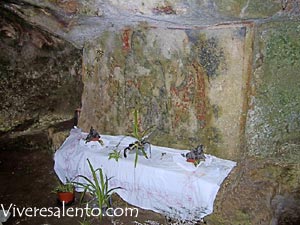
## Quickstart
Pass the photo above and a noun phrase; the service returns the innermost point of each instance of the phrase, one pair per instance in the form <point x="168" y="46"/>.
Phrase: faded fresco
<point x="189" y="84"/>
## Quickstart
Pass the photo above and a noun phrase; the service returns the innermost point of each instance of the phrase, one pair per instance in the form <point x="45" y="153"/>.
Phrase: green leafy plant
<point x="97" y="187"/>
<point x="141" y="136"/>
<point x="67" y="187"/>
<point x="115" y="154"/>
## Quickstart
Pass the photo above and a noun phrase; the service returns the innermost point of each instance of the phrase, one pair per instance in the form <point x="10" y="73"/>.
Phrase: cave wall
<point x="273" y="123"/>
<point x="223" y="73"/>
<point x="190" y="84"/>
<point x="264" y="188"/>
<point x="232" y="8"/>
<point x="40" y="75"/>
<point x="216" y="58"/>
<point x="250" y="96"/>
<point x="199" y="84"/>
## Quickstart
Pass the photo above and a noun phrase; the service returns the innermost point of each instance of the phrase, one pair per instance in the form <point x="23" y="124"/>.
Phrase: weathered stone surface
<point x="186" y="65"/>
<point x="190" y="84"/>
<point x="259" y="192"/>
<point x="39" y="75"/>
<point x="254" y="9"/>
<point x="79" y="21"/>
<point x="249" y="8"/>
<point x="45" y="134"/>
<point x="265" y="189"/>
<point x="273" y="124"/>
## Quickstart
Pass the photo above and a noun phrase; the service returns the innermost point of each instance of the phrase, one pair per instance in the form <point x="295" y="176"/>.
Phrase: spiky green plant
<point x="97" y="187"/>
<point x="139" y="145"/>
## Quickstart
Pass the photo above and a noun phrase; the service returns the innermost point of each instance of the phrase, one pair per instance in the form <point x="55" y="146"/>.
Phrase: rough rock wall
<point x="40" y="75"/>
<point x="190" y="84"/>
<point x="273" y="123"/>
<point x="259" y="191"/>
<point x="78" y="21"/>
<point x="264" y="188"/>
<point x="166" y="64"/>
<point x="224" y="8"/>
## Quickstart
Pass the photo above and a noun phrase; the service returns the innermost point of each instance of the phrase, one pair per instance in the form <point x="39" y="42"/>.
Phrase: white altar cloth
<point x="161" y="183"/>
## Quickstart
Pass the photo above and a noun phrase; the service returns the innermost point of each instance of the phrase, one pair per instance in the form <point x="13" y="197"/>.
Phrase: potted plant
<point x="97" y="187"/>
<point x="138" y="147"/>
<point x="65" y="192"/>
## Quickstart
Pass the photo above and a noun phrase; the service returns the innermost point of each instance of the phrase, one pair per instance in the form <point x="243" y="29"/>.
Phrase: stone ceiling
<point x="77" y="21"/>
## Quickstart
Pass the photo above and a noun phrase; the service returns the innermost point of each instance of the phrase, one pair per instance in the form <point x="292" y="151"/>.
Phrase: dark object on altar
<point x="195" y="155"/>
<point x="93" y="136"/>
